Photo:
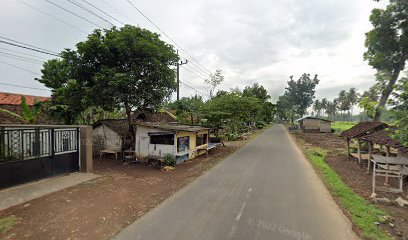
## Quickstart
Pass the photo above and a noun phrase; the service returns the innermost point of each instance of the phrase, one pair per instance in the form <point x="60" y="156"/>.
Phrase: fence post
<point x="86" y="149"/>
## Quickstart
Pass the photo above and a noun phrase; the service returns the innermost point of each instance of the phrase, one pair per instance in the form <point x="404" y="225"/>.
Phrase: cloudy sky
<point x="260" y="41"/>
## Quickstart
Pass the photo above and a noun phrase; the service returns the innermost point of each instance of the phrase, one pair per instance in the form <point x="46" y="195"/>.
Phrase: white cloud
<point x="252" y="41"/>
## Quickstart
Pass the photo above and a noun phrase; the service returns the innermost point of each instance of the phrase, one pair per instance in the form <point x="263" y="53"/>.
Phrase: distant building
<point x="314" y="124"/>
<point x="12" y="102"/>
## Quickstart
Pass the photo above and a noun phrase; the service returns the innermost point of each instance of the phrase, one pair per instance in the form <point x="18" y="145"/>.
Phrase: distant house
<point x="314" y="124"/>
<point x="12" y="102"/>
<point x="180" y="140"/>
<point x="110" y="134"/>
<point x="113" y="134"/>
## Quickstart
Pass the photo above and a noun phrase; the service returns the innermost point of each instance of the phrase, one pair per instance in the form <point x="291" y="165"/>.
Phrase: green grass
<point x="342" y="126"/>
<point x="363" y="214"/>
<point x="6" y="223"/>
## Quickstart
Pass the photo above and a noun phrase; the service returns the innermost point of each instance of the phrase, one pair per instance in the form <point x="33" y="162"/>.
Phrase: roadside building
<point x="314" y="124"/>
<point x="110" y="134"/>
<point x="180" y="140"/>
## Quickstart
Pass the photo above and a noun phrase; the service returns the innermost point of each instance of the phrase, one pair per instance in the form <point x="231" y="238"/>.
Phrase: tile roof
<point x="173" y="126"/>
<point x="363" y="128"/>
<point x="15" y="99"/>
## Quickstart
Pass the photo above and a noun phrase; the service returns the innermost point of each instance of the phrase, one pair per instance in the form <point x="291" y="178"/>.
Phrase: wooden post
<point x="374" y="171"/>
<point x="359" y="151"/>
<point x="387" y="154"/>
<point x="348" y="148"/>
<point x="370" y="149"/>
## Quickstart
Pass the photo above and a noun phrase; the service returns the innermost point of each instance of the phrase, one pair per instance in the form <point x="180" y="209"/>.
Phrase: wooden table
<point x="394" y="167"/>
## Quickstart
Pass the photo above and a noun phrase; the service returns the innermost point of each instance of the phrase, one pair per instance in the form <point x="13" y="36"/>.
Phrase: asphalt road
<point x="265" y="190"/>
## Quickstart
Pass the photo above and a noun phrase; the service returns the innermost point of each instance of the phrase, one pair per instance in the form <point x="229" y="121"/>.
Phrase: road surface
<point x="265" y="190"/>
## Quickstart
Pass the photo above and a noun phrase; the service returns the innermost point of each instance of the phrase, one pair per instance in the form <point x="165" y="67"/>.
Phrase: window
<point x="183" y="144"/>
<point x="167" y="139"/>
<point x="201" y="139"/>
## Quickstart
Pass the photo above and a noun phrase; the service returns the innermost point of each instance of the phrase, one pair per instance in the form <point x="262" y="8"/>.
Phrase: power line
<point x="102" y="11"/>
<point x="194" y="89"/>
<point x="18" y="67"/>
<point x="171" y="39"/>
<point x="25" y="54"/>
<point x="111" y="6"/>
<point x="29" y="48"/>
<point x="188" y="70"/>
<point x="51" y="16"/>
<point x="14" y="56"/>
<point x="89" y="11"/>
<point x="29" y="45"/>
<point x="85" y="19"/>
<point x="21" y="86"/>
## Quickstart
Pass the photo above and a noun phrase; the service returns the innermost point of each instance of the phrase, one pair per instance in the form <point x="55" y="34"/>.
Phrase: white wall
<point x="111" y="140"/>
<point x="144" y="148"/>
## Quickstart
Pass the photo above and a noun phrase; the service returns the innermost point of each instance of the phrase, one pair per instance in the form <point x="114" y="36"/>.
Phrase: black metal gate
<point x="28" y="154"/>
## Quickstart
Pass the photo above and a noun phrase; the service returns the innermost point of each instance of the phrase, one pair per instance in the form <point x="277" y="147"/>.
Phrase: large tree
<point x="400" y="111"/>
<point x="129" y="68"/>
<point x="300" y="93"/>
<point x="257" y="91"/>
<point x="387" y="46"/>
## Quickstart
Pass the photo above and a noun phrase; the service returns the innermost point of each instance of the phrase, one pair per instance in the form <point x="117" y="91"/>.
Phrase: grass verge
<point x="363" y="214"/>
<point x="6" y="223"/>
<point x="342" y="126"/>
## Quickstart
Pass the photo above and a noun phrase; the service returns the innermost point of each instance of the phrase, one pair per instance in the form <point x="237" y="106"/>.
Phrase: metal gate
<point x="28" y="154"/>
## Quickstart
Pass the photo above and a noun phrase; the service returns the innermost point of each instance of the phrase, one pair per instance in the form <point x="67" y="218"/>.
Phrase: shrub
<point x="261" y="124"/>
<point x="169" y="159"/>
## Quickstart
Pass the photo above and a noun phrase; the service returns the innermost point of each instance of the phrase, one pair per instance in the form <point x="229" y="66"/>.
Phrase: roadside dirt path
<point x="99" y="209"/>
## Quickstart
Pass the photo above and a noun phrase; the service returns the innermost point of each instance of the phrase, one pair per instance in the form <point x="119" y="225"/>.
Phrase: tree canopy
<point x="128" y="68"/>
<point x="387" y="46"/>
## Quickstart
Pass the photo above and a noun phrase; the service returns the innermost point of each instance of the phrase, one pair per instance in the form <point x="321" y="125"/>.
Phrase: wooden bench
<point x="105" y="151"/>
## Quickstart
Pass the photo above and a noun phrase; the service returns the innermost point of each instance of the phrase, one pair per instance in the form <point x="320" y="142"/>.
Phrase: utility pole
<point x="178" y="76"/>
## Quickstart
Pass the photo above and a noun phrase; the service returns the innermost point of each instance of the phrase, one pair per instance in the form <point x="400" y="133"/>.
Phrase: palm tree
<point x="317" y="107"/>
<point x="353" y="98"/>
<point x="323" y="103"/>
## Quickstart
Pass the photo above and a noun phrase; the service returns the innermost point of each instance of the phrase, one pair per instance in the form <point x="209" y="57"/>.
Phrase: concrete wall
<point x="325" y="126"/>
<point x="105" y="138"/>
<point x="316" y="125"/>
<point x="193" y="146"/>
<point x="144" y="148"/>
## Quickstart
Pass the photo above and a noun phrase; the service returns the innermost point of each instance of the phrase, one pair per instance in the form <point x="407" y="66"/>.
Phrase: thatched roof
<point x="120" y="126"/>
<point x="362" y="129"/>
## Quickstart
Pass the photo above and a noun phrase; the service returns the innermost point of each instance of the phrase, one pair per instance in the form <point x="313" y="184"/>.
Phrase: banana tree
<point x="28" y="115"/>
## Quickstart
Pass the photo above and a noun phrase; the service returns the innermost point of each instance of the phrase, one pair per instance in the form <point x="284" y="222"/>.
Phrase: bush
<point x="169" y="159"/>
<point x="261" y="124"/>
<point x="231" y="136"/>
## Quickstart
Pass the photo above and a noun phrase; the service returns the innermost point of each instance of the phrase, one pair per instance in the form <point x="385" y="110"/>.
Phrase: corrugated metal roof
<point x="310" y="117"/>
<point x="174" y="126"/>
<point x="363" y="128"/>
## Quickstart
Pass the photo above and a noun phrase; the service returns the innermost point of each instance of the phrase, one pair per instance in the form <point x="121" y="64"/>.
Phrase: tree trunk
<point x="130" y="122"/>
<point x="385" y="95"/>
